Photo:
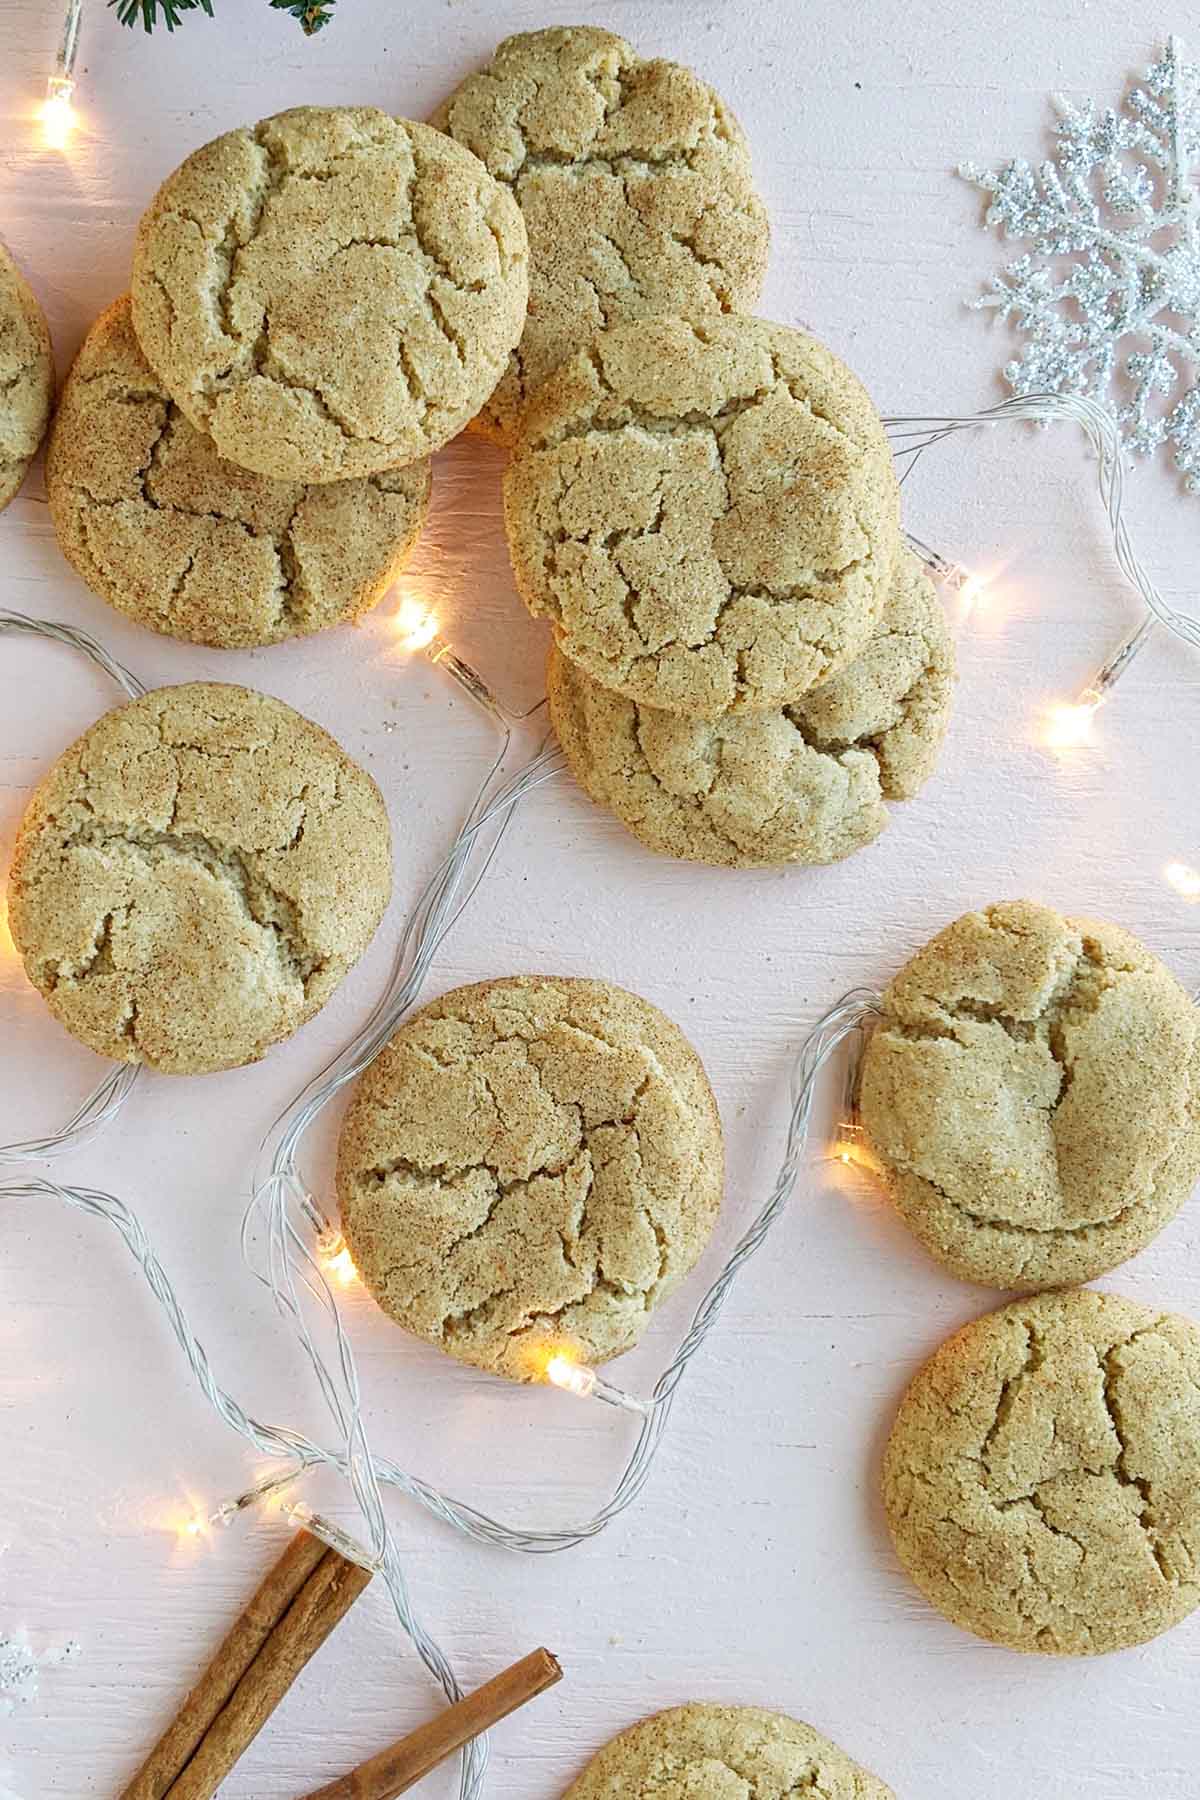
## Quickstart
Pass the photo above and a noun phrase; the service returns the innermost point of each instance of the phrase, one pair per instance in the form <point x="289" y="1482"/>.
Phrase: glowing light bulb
<point x="573" y="1377"/>
<point x="847" y="1142"/>
<point x="1069" y="724"/>
<point x="416" y="629"/>
<point x="563" y="1371"/>
<point x="1184" y="879"/>
<point x="333" y="1253"/>
<point x="416" y="626"/>
<point x="972" y="592"/>
<point x="57" y="115"/>
<point x="342" y="1268"/>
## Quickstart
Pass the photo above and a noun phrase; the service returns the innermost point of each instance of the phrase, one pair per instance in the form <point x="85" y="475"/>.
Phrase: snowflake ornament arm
<point x="1109" y="294"/>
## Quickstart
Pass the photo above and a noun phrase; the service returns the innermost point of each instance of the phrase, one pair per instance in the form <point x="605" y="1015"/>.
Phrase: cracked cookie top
<point x="802" y="784"/>
<point x="723" y="1753"/>
<point x="188" y="543"/>
<point x="1033" y="1094"/>
<point x="330" y="293"/>
<point x="708" y="514"/>
<point x="531" y="1162"/>
<point x="26" y="377"/>
<point x="195" y="875"/>
<point x="634" y="181"/>
<point x="1042" y="1479"/>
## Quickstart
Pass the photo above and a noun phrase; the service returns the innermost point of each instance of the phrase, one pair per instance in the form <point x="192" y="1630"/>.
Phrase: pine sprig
<point x="130" y="11"/>
<point x="311" y="15"/>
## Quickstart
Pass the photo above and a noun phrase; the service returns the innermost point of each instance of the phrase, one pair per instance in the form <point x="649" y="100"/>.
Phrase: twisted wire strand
<point x="916" y="433"/>
<point x="19" y="624"/>
<point x="441" y="903"/>
<point x="89" y="1118"/>
<point x="109" y="1096"/>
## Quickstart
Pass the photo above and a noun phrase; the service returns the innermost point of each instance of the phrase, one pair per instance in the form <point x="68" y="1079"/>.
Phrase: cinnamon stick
<point x="325" y="1598"/>
<point x="242" y="1644"/>
<point x="295" y="1608"/>
<point x="398" y="1768"/>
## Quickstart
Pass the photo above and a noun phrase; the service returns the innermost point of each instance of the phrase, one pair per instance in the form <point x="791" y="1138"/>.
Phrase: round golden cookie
<point x="331" y="292"/>
<point x="707" y="513"/>
<point x="1032" y="1093"/>
<point x="530" y="1162"/>
<point x="26" y="377"/>
<point x="195" y="875"/>
<point x="723" y="1753"/>
<point x="188" y="543"/>
<point x="1042" y="1479"/>
<point x="634" y="181"/>
<point x="804" y="784"/>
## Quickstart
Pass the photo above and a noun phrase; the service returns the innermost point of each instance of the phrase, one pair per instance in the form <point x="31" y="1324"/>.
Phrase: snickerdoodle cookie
<point x="190" y="544"/>
<point x="1033" y="1095"/>
<point x="26" y="377"/>
<point x="195" y="875"/>
<point x="331" y="292"/>
<point x="803" y="784"/>
<point x="707" y="513"/>
<point x="1042" y="1480"/>
<point x="723" y="1753"/>
<point x="634" y="181"/>
<point x="530" y="1161"/>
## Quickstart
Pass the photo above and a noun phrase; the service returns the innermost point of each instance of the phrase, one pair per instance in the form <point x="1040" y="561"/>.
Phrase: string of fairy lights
<point x="289" y="1242"/>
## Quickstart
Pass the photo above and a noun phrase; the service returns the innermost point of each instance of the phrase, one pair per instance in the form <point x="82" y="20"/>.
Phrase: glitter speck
<point x="19" y="1669"/>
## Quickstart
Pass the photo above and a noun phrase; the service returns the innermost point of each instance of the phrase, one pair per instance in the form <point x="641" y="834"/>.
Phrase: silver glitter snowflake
<point x="1119" y="199"/>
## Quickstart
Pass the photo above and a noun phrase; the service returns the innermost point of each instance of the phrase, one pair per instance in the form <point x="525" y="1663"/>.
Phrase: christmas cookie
<point x="530" y="1162"/>
<point x="707" y="513"/>
<point x="190" y="544"/>
<point x="634" y="181"/>
<point x="805" y="783"/>
<point x="1033" y="1096"/>
<point x="723" y="1753"/>
<point x="26" y="377"/>
<point x="1042" y="1480"/>
<point x="330" y="293"/>
<point x="194" y="877"/>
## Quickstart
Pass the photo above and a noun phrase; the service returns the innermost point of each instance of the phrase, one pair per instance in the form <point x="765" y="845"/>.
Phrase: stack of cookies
<point x="747" y="661"/>
<point x="317" y="304"/>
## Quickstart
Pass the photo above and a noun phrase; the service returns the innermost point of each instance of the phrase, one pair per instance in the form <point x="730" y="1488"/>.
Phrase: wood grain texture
<point x="756" y="1567"/>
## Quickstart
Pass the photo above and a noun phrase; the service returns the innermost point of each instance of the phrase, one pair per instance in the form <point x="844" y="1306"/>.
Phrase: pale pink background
<point x="756" y="1567"/>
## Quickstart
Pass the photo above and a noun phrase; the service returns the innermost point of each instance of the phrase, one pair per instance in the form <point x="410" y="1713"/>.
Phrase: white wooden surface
<point x="756" y="1567"/>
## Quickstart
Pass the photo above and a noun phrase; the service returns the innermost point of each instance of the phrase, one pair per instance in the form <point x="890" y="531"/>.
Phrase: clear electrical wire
<point x="19" y="624"/>
<point x="912" y="435"/>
